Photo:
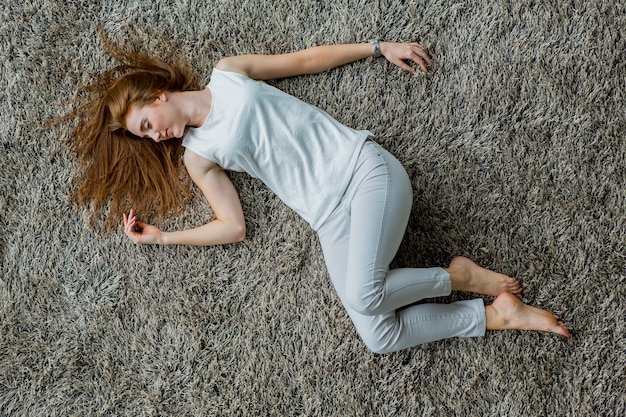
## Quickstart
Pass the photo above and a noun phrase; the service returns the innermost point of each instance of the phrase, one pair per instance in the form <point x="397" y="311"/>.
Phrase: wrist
<point x="375" y="47"/>
<point x="164" y="239"/>
<point x="383" y="47"/>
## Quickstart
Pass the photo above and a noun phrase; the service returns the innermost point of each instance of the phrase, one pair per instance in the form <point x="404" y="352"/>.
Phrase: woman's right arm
<point x="321" y="58"/>
<point x="229" y="225"/>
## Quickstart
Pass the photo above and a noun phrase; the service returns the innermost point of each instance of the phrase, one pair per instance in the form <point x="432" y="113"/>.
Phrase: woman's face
<point x="160" y="120"/>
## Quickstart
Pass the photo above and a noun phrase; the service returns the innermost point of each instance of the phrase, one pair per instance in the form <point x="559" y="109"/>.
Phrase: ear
<point x="162" y="96"/>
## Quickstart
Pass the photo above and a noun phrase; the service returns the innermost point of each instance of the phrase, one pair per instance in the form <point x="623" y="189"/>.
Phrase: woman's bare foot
<point x="465" y="275"/>
<point x="507" y="312"/>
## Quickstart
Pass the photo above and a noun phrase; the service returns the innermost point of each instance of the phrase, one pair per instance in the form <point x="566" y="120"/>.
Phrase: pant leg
<point x="379" y="211"/>
<point x="359" y="241"/>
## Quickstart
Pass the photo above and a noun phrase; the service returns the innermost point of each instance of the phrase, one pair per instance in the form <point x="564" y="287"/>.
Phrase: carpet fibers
<point x="515" y="149"/>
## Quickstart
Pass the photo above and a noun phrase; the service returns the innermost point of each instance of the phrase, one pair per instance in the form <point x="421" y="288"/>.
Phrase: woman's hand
<point x="399" y="53"/>
<point x="139" y="232"/>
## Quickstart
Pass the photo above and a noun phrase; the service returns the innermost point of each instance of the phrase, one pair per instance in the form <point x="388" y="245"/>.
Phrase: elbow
<point x="239" y="232"/>
<point x="312" y="62"/>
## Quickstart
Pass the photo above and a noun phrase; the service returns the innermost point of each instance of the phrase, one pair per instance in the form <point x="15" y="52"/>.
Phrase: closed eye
<point x="145" y="125"/>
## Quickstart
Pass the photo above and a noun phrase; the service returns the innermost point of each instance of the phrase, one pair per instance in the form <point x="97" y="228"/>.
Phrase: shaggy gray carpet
<point x="515" y="148"/>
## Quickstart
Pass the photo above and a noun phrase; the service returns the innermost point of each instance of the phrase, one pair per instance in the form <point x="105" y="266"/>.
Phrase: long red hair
<point x="120" y="170"/>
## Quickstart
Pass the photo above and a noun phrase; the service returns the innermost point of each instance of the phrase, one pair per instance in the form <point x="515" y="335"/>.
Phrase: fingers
<point x="128" y="216"/>
<point x="137" y="231"/>
<point x="131" y="224"/>
<point x="404" y="66"/>
<point x="423" y="54"/>
<point x="419" y="55"/>
<point x="402" y="54"/>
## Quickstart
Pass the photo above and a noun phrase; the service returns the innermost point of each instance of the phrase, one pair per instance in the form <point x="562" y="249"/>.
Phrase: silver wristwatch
<point x="374" y="43"/>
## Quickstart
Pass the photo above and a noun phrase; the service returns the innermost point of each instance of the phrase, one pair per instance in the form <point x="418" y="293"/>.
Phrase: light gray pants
<point x="359" y="241"/>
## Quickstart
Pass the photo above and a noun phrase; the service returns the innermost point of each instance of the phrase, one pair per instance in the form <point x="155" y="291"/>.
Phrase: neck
<point x="196" y="105"/>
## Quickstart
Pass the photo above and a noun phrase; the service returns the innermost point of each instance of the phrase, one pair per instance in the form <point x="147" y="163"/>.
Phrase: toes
<point x="514" y="287"/>
<point x="562" y="330"/>
<point x="559" y="327"/>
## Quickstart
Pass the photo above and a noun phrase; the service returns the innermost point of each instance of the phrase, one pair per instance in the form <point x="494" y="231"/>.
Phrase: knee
<point x="365" y="303"/>
<point x="367" y="299"/>
<point x="378" y="348"/>
<point x="383" y="336"/>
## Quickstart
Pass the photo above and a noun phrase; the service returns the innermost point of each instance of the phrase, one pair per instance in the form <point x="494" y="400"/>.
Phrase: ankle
<point x="494" y="319"/>
<point x="459" y="276"/>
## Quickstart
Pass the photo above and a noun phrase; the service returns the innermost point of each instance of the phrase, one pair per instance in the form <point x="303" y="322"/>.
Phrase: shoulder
<point x="226" y="76"/>
<point x="231" y="64"/>
<point x="197" y="165"/>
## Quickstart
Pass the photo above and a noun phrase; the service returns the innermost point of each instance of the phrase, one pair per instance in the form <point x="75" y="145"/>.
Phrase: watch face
<point x="374" y="43"/>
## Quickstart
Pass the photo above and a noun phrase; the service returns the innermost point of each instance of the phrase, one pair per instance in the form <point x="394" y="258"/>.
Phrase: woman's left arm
<point x="321" y="58"/>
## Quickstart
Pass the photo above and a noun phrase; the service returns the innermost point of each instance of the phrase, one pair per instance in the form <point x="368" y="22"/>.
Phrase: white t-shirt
<point x="299" y="151"/>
